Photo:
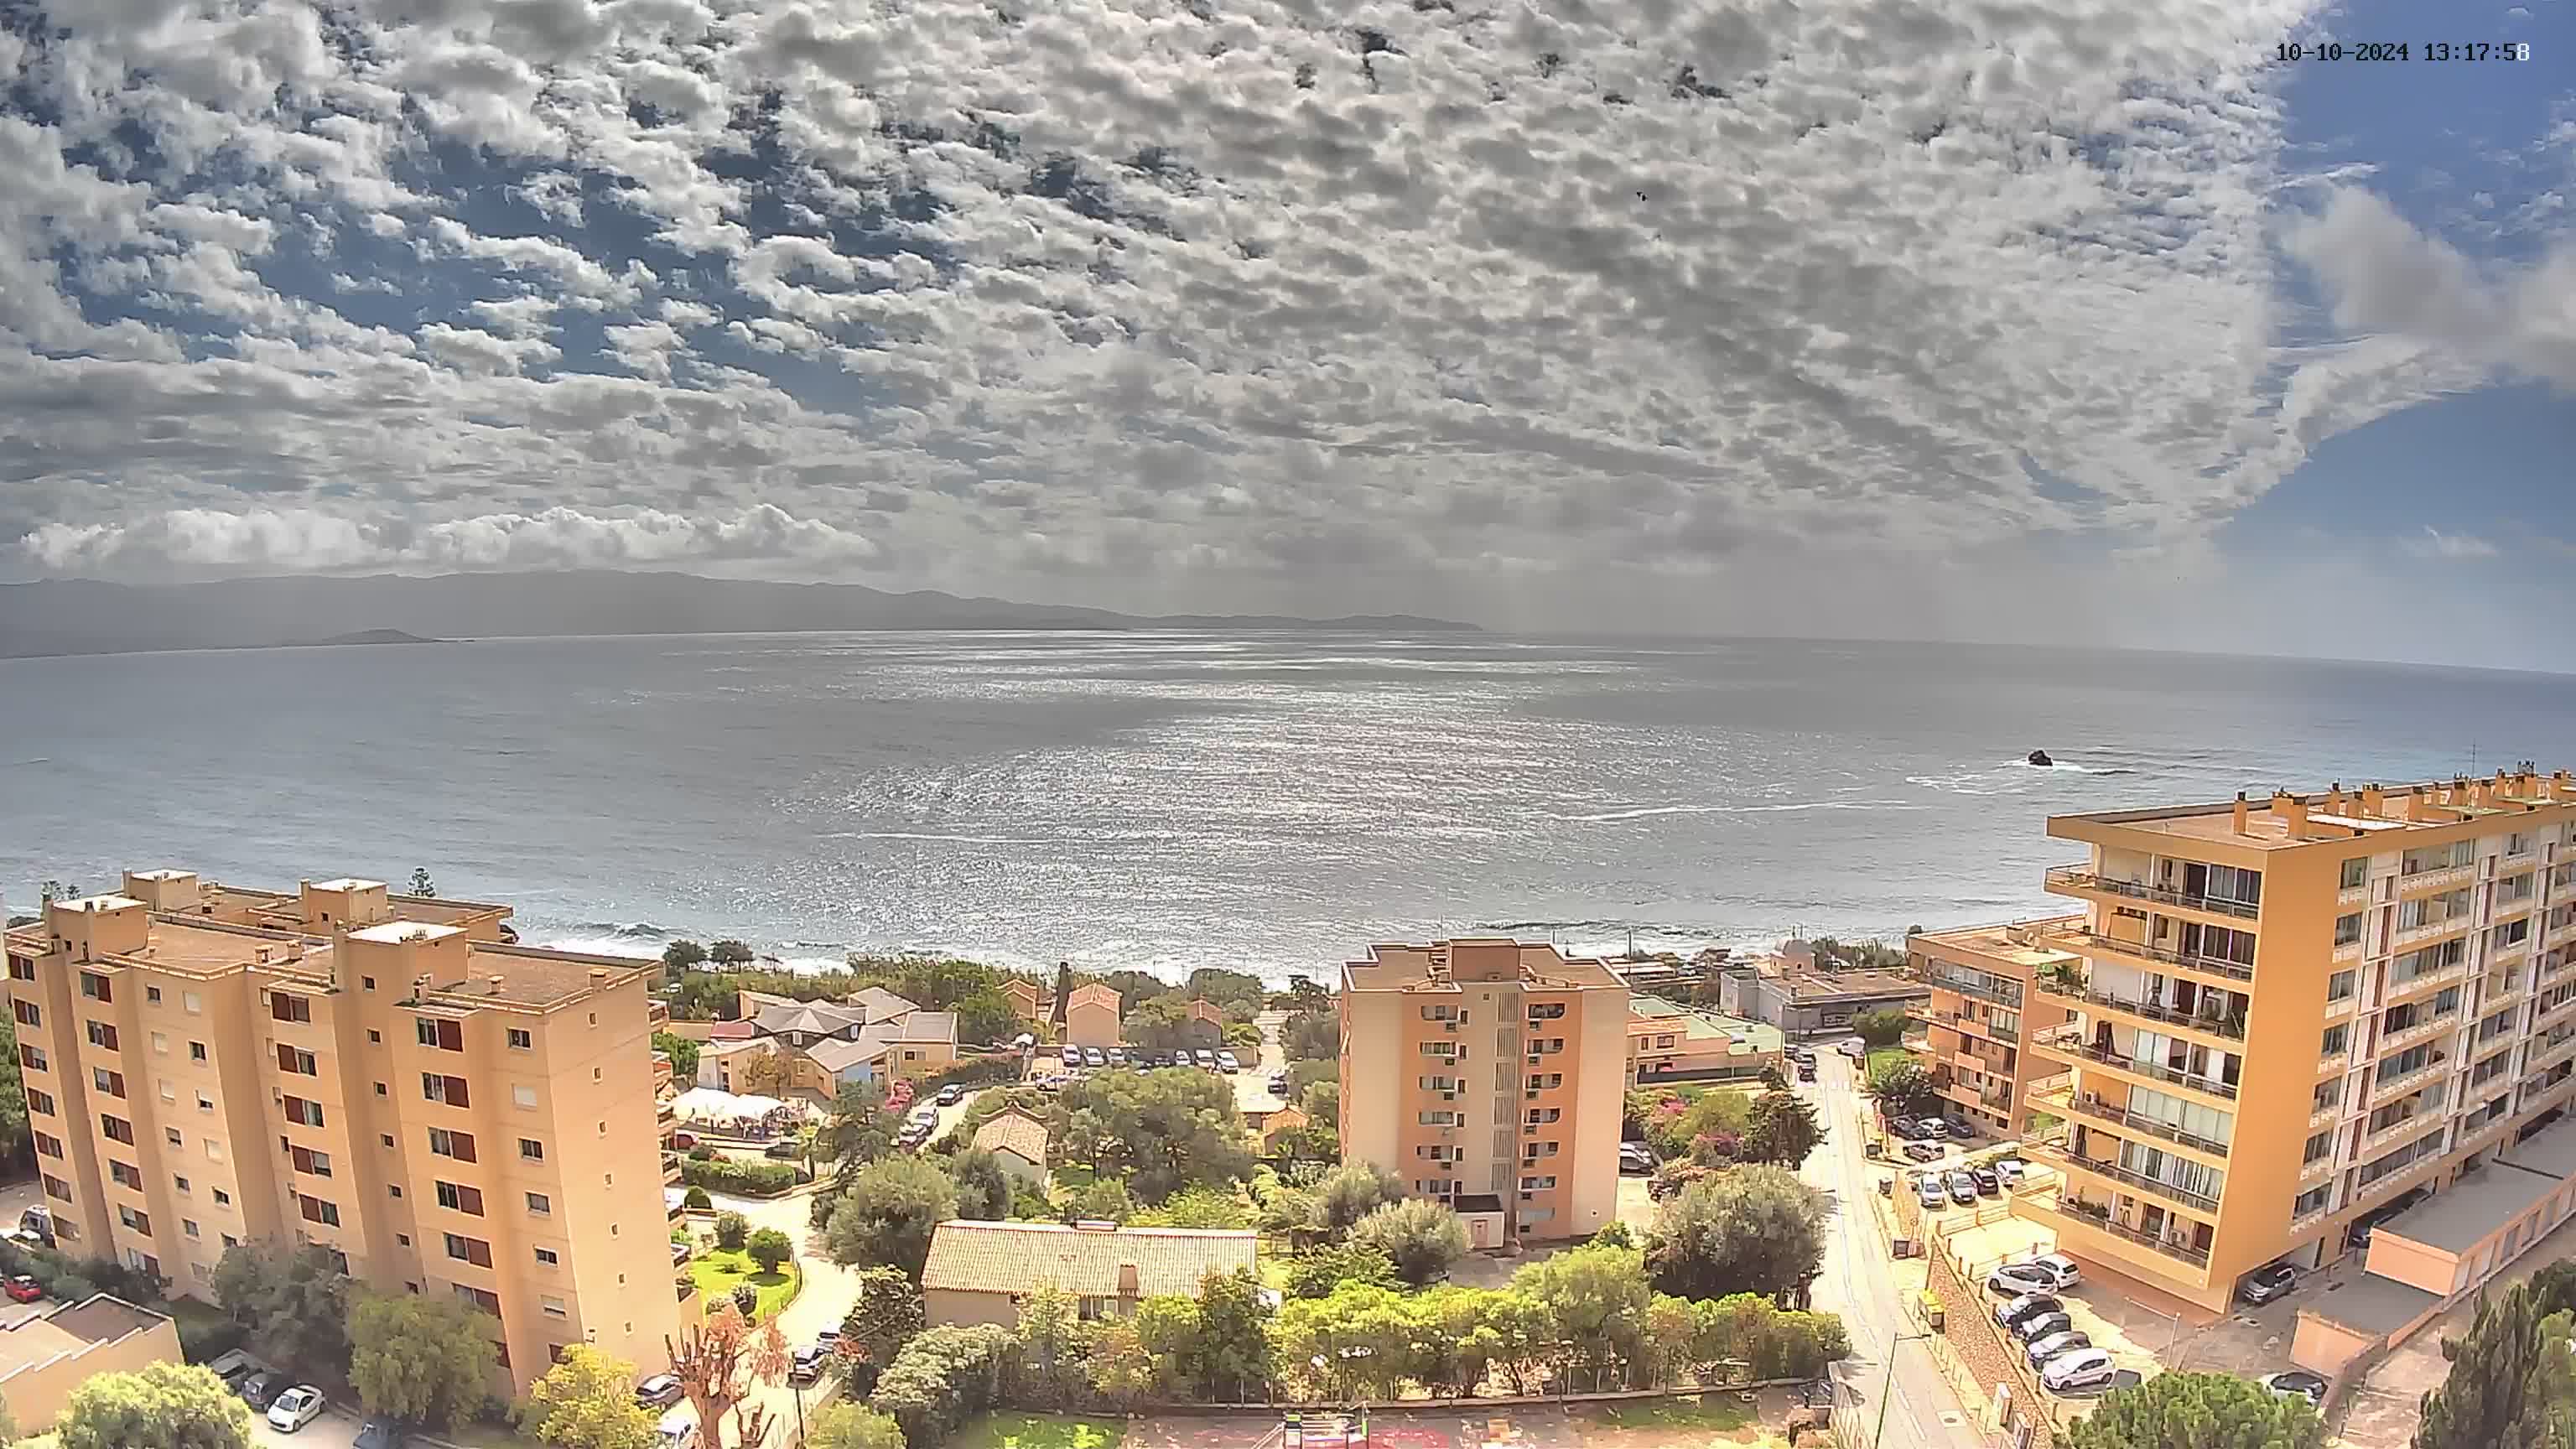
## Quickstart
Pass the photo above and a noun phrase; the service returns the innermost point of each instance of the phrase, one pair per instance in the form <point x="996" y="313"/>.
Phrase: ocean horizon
<point x="1269" y="801"/>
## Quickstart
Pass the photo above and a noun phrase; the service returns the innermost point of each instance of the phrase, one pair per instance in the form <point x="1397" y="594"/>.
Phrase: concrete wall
<point x="35" y="1394"/>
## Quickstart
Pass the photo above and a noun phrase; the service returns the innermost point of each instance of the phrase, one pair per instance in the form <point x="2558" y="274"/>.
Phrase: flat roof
<point x="530" y="976"/>
<point x="1398" y="966"/>
<point x="2444" y="805"/>
<point x="108" y="902"/>
<point x="2551" y="1150"/>
<point x="2459" y="1217"/>
<point x="186" y="944"/>
<point x="394" y="933"/>
<point x="348" y="883"/>
<point x="2372" y="1304"/>
<point x="1996" y="942"/>
<point x="1805" y="985"/>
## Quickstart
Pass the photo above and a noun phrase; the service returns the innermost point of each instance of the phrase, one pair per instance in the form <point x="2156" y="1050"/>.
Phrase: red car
<point x="23" y="1289"/>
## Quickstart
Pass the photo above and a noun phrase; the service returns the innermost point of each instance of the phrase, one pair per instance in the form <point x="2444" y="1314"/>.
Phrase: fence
<point x="1985" y="1353"/>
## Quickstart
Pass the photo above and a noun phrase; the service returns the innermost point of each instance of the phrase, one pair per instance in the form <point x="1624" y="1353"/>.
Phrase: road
<point x="1858" y="1284"/>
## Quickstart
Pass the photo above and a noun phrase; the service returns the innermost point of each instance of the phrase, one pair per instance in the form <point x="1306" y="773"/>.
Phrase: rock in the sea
<point x="2040" y="757"/>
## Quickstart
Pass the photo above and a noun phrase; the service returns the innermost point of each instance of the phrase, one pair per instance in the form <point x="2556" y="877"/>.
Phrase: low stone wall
<point x="1984" y="1350"/>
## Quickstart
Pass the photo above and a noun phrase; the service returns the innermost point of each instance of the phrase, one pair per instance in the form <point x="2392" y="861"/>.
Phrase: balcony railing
<point x="2065" y="1157"/>
<point x="2088" y="1105"/>
<point x="2396" y="1134"/>
<point x="1996" y="995"/>
<point x="2095" y="941"/>
<point x="2216" y="1023"/>
<point x="2418" y="1032"/>
<point x="2430" y="931"/>
<point x="2070" y="878"/>
<point x="2398" y="1086"/>
<point x="2440" y="879"/>
<point x="2099" y="1218"/>
<point x="2070" y="1041"/>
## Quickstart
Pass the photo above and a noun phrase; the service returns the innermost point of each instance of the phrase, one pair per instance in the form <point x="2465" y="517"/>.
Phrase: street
<point x="1858" y="1284"/>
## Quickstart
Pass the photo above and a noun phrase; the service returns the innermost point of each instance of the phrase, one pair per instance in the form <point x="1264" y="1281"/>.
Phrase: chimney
<point x="2239" y="813"/>
<point x="493" y="981"/>
<point x="2415" y="802"/>
<point x="598" y="974"/>
<point x="2372" y="798"/>
<point x="2559" y="785"/>
<point x="1128" y="1283"/>
<point x="2334" y="798"/>
<point x="2293" y="813"/>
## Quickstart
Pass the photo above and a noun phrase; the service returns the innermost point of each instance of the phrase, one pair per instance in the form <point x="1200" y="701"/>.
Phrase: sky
<point x="2092" y="321"/>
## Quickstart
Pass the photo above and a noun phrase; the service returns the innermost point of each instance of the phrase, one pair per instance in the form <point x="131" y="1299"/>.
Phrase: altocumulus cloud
<point x="1226" y="288"/>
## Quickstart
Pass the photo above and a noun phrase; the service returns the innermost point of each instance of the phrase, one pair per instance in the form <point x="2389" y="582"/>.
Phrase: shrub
<point x="702" y="1153"/>
<point x="747" y="1179"/>
<point x="977" y="1071"/>
<point x="745" y="1299"/>
<point x="769" y="1247"/>
<point x="732" y="1230"/>
<point x="942" y="1378"/>
<point x="696" y="1200"/>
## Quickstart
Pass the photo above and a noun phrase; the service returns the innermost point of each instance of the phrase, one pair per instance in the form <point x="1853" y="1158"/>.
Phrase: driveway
<point x="826" y="1297"/>
<point x="334" y="1430"/>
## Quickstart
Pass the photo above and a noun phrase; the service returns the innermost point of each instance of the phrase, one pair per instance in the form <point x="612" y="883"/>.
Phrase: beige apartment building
<point x="2399" y="963"/>
<point x="1983" y="1011"/>
<point x="1489" y="1074"/>
<point x="383" y="1075"/>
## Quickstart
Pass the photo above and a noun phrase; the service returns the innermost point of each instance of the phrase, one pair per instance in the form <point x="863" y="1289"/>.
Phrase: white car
<point x="2057" y="1268"/>
<point x="2075" y="1368"/>
<point x="2008" y="1170"/>
<point x="295" y="1408"/>
<point x="2015" y="1279"/>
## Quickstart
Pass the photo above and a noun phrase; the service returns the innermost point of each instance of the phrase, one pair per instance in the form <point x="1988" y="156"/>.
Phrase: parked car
<point x="2044" y="1351"/>
<point x="2297" y="1384"/>
<point x="295" y="1408"/>
<point x="261" y="1388"/>
<point x="2267" y="1283"/>
<point x="1203" y="1057"/>
<point x="1278" y="1084"/>
<point x="1924" y="1152"/>
<point x="2041" y="1325"/>
<point x="2012" y="1280"/>
<point x="1853" y="1047"/>
<point x="1094" y="1057"/>
<point x="1929" y="1192"/>
<point x="1806" y="1071"/>
<point x="2028" y="1305"/>
<point x="2080" y="1369"/>
<point x="2057" y="1268"/>
<point x="2095" y="1386"/>
<point x="1958" y="1129"/>
<point x="783" y="1150"/>
<point x="951" y="1095"/>
<point x="378" y="1434"/>
<point x="684" y="1140"/>
<point x="806" y="1366"/>
<point x="827" y="1338"/>
<point x="1963" y="1189"/>
<point x="657" y="1392"/>
<point x="1988" y="1185"/>
<point x="1227" y="1061"/>
<point x="1635" y="1158"/>
<point x="677" y="1430"/>
<point x="2010" y="1170"/>
<point x="23" y="1289"/>
<point x="1072" y="1056"/>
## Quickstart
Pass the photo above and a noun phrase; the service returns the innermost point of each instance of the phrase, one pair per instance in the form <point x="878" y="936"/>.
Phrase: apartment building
<point x="2400" y="962"/>
<point x="383" y="1075"/>
<point x="1981" y="1013"/>
<point x="1489" y="1074"/>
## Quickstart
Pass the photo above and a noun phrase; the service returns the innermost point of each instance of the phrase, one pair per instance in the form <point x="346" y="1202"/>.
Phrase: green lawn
<point x="717" y="1271"/>
<point x="1883" y="1054"/>
<point x="1038" y="1431"/>
<point x="1718" y="1412"/>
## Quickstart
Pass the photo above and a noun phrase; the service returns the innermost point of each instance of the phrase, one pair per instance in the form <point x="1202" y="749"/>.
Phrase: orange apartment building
<point x="2400" y="962"/>
<point x="383" y="1075"/>
<point x="1489" y="1074"/>
<point x="1982" y="1013"/>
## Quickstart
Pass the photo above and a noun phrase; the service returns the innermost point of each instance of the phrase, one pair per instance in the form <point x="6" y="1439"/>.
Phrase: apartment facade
<point x="2399" y="963"/>
<point x="1489" y="1074"/>
<point x="388" y="1077"/>
<point x="1983" y="1009"/>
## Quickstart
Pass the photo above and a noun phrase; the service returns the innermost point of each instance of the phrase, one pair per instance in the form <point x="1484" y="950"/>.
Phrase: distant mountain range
<point x="85" y="616"/>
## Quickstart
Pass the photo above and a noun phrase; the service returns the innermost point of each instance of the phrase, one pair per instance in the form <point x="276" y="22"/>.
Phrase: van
<point x="677" y="1430"/>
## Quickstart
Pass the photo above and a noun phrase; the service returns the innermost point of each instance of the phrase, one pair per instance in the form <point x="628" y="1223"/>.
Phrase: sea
<point x="1268" y="802"/>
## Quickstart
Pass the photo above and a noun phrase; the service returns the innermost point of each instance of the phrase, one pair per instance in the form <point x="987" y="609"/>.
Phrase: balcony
<point x="2321" y="1167"/>
<point x="2348" y="951"/>
<point x="2551" y="1011"/>
<point x="1957" y="1021"/>
<point x="2229" y="1025"/>
<point x="2076" y="881"/>
<point x="2066" y="1160"/>
<point x="2429" y="932"/>
<point x="2398" y="1086"/>
<point x="2093" y="943"/>
<point x="2387" y="1187"/>
<point x="2422" y="1031"/>
<point x="2544" y="1054"/>
<point x="2067" y="1043"/>
<point x="2415" y="986"/>
<point x="2436" y="880"/>
<point x="1996" y="995"/>
<point x="2116" y="1241"/>
<point x="2481" y="1134"/>
<point x="2066" y="1102"/>
<point x="2324" y="1116"/>
<point x="2397" y="1134"/>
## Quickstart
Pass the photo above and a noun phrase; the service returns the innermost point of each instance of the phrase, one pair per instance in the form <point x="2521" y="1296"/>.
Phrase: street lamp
<point x="1887" y="1390"/>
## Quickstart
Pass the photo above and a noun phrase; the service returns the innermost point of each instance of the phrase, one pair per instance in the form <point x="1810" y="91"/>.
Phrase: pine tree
<point x="2491" y="1367"/>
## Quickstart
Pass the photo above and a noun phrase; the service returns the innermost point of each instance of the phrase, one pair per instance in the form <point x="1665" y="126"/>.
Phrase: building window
<point x="95" y="987"/>
<point x="160" y="1043"/>
<point x="458" y="1198"/>
<point x="459" y="1145"/>
<point x="532" y="1150"/>
<point x="196" y="1051"/>
<point x="2337" y="1038"/>
<point x="152" y="994"/>
<point x="46" y="1146"/>
<point x="469" y="1250"/>
<point x="309" y="1162"/>
<point x="286" y="1007"/>
<point x="524" y="1096"/>
<point x="301" y="1111"/>
<point x="547" y="1257"/>
<point x="22" y="968"/>
<point x="394" y="1188"/>
<point x="171" y="1135"/>
<point x="520" y="1039"/>
<point x="189" y="1226"/>
<point x="112" y="1083"/>
<point x="38" y="1101"/>
<point x="31" y="1058"/>
<point x="102" y="1036"/>
<point x="224" y="1199"/>
<point x="450" y="1090"/>
<point x="540" y="1204"/>
<point x="2356" y="873"/>
<point x="26" y="1013"/>
<point x="552" y="1307"/>
<point x="125" y="1175"/>
<point x="189" y="1003"/>
<point x="315" y="1210"/>
<point x="439" y="1032"/>
<point x="117" y="1129"/>
<point x="214" y="1150"/>
<point x="140" y="1222"/>
<point x="180" y="1183"/>
<point x="368" y="981"/>
<point x="297" y="1061"/>
<point x="2347" y="929"/>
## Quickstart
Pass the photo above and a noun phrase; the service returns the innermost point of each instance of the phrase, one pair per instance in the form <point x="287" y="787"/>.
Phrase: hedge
<point x="978" y="1071"/>
<point x="745" y="1179"/>
<point x="942" y="1378"/>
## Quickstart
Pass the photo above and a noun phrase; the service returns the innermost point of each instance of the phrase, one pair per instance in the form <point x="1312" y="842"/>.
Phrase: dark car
<point x="950" y="1095"/>
<point x="2267" y="1283"/>
<point x="261" y="1388"/>
<point x="1958" y="1129"/>
<point x="378" y="1434"/>
<point x="658" y="1391"/>
<point x="2028" y="1305"/>
<point x="1963" y="1189"/>
<point x="2297" y="1384"/>
<point x="2042" y="1325"/>
<point x="1987" y="1183"/>
<point x="1806" y="1071"/>
<point x="784" y="1149"/>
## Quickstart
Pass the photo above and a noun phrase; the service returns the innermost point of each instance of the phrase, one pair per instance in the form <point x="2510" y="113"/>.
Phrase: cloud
<point x="2384" y="276"/>
<point x="1379" y="302"/>
<point x="2437" y="544"/>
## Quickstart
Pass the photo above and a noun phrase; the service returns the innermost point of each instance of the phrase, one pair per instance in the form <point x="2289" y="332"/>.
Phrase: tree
<point x="1902" y="1088"/>
<point x="884" y="1316"/>
<point x="292" y="1302"/>
<point x="421" y="885"/>
<point x="732" y="1231"/>
<point x="696" y="1200"/>
<point x="1595" y="1300"/>
<point x="1133" y="987"/>
<point x="1880" y="1027"/>
<point x="1159" y="1023"/>
<point x="983" y="1187"/>
<point x="684" y="955"/>
<point x="57" y="890"/>
<point x="1197" y="1207"/>
<point x="1103" y="1201"/>
<point x="2202" y="1411"/>
<point x="424" y="1359"/>
<point x="889" y="1212"/>
<point x="1322" y="1104"/>
<point x="1228" y="1357"/>
<point x="769" y="1247"/>
<point x="730" y="952"/>
<point x="1420" y="1236"/>
<point x="1351" y="1192"/>
<point x="1063" y="991"/>
<point x="853" y="1426"/>
<point x="760" y="1073"/>
<point x="721" y="1364"/>
<point x="859" y="1130"/>
<point x="1317" y="1274"/>
<point x="1783" y="1129"/>
<point x="987" y="1017"/>
<point x="942" y="1378"/>
<point x="160" y="1406"/>
<point x="2491" y="1372"/>
<point x="1311" y="1034"/>
<point x="683" y="1054"/>
<point x="2548" y="1417"/>
<point x="13" y="1097"/>
<point x="1746" y="1230"/>
<point x="1050" y="1345"/>
<point x="587" y="1401"/>
<point x="1240" y="994"/>
<point x="1161" y="1131"/>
